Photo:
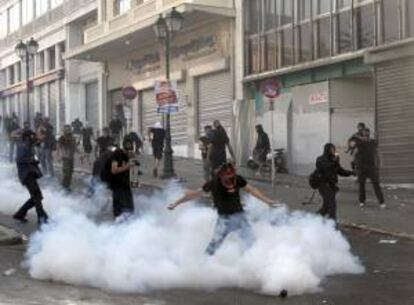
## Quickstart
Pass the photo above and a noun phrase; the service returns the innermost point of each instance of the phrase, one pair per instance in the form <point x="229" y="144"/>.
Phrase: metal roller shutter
<point x="178" y="121"/>
<point x="91" y="115"/>
<point x="62" y="117"/>
<point x="395" y="112"/>
<point x="215" y="97"/>
<point x="149" y="111"/>
<point x="53" y="100"/>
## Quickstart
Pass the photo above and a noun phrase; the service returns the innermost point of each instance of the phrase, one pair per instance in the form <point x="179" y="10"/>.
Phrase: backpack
<point x="315" y="179"/>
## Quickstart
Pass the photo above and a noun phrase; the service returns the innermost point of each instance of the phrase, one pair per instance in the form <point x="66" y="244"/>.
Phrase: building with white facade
<point x="55" y="88"/>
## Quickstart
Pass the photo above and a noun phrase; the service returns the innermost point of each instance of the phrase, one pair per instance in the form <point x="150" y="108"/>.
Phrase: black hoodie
<point x="329" y="167"/>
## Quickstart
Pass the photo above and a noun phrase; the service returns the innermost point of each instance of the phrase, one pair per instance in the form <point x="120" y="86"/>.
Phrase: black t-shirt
<point x="226" y="201"/>
<point x="120" y="180"/>
<point x="103" y="143"/>
<point x="158" y="136"/>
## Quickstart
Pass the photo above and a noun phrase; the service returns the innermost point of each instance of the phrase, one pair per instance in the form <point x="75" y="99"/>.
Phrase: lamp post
<point x="164" y="29"/>
<point x="27" y="51"/>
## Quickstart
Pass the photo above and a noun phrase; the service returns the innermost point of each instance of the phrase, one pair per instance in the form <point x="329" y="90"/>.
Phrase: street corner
<point x="9" y="236"/>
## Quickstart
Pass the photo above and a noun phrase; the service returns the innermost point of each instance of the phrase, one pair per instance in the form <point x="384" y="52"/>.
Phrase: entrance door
<point x="92" y="110"/>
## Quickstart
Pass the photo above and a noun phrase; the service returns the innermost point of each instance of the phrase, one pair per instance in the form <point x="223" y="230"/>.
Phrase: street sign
<point x="166" y="96"/>
<point x="129" y="93"/>
<point x="271" y="88"/>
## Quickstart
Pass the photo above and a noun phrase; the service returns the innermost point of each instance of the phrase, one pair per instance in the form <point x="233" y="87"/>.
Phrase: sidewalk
<point x="9" y="236"/>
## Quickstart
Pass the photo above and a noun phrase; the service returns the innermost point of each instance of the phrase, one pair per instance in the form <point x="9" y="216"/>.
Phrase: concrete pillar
<point x="102" y="98"/>
<point x="58" y="56"/>
<point x="102" y="11"/>
<point x="36" y="97"/>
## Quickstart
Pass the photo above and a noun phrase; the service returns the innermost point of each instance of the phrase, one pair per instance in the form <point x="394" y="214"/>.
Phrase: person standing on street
<point x="367" y="162"/>
<point x="262" y="147"/>
<point x="66" y="152"/>
<point x="77" y="126"/>
<point x="115" y="125"/>
<point x="225" y="189"/>
<point x="157" y="137"/>
<point x="48" y="145"/>
<point x="329" y="168"/>
<point x="87" y="137"/>
<point x="219" y="142"/>
<point x="205" y="148"/>
<point x="28" y="172"/>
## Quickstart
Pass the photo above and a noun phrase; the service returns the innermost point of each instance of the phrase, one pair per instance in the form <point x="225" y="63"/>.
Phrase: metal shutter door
<point x="149" y="111"/>
<point x="395" y="113"/>
<point x="53" y="100"/>
<point x="62" y="117"/>
<point x="91" y="115"/>
<point x="215" y="97"/>
<point x="178" y="121"/>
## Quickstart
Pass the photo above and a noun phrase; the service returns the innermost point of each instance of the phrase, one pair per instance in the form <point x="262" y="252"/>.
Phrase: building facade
<point x="50" y="80"/>
<point x="339" y="62"/>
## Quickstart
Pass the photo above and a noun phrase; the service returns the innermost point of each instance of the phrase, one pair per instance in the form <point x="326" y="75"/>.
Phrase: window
<point x="254" y="50"/>
<point x="121" y="6"/>
<point x="41" y="7"/>
<point x="305" y="42"/>
<point x="11" y="75"/>
<point x="52" y="58"/>
<point x="324" y="37"/>
<point x="303" y="10"/>
<point x="269" y="13"/>
<point x="55" y="3"/>
<point x="252" y="18"/>
<point x="410" y="17"/>
<point x="14" y="17"/>
<point x="390" y="20"/>
<point x="271" y="51"/>
<point x="321" y="6"/>
<point x="3" y="24"/>
<point x="287" y="47"/>
<point x="365" y="21"/>
<point x="27" y="11"/>
<point x="344" y="32"/>
<point x="287" y="12"/>
<point x="18" y="72"/>
<point x="344" y="3"/>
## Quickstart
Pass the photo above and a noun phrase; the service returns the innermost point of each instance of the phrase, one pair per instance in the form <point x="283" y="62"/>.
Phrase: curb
<point x="12" y="237"/>
<point x="362" y="227"/>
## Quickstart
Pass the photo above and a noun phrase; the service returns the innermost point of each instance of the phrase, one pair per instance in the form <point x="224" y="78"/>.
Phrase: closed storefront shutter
<point x="53" y="100"/>
<point x="149" y="111"/>
<point x="215" y="97"/>
<point x="92" y="110"/>
<point x="178" y="120"/>
<point x="62" y="117"/>
<point x="395" y="112"/>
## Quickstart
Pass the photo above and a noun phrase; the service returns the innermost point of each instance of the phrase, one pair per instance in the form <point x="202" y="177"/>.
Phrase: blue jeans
<point x="230" y="223"/>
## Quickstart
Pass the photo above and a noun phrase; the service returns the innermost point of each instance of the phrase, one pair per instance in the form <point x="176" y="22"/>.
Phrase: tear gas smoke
<point x="161" y="249"/>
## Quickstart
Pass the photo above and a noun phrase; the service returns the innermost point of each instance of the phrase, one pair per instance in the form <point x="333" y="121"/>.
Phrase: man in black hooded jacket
<point x="329" y="168"/>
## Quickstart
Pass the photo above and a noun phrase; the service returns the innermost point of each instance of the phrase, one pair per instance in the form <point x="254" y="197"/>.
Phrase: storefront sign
<point x="129" y="93"/>
<point x="166" y="96"/>
<point x="318" y="98"/>
<point x="271" y="88"/>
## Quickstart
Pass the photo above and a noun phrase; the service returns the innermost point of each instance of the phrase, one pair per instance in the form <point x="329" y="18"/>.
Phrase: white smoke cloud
<point x="162" y="249"/>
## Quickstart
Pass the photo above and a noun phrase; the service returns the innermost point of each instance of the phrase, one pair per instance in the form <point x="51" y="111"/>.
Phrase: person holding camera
<point x="28" y="172"/>
<point x="329" y="168"/>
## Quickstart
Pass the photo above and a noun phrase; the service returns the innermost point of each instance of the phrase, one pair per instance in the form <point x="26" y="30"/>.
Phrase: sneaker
<point x="361" y="204"/>
<point x="383" y="206"/>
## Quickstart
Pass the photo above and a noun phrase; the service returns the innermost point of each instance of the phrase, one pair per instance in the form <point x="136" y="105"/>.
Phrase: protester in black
<point x="28" y="172"/>
<point x="219" y="142"/>
<point x="225" y="189"/>
<point x="123" y="203"/>
<point x="77" y="126"/>
<point x="367" y="162"/>
<point x="351" y="144"/>
<point x="262" y="147"/>
<point x="157" y="137"/>
<point x="329" y="168"/>
<point x="48" y="145"/>
<point x="115" y="125"/>
<point x="103" y="142"/>
<point x="87" y="137"/>
<point x="67" y="147"/>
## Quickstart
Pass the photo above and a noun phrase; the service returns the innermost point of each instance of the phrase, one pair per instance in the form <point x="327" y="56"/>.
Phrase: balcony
<point x="140" y="17"/>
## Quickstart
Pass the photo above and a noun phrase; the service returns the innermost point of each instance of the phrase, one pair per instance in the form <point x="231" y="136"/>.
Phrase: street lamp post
<point x="164" y="29"/>
<point x="26" y="51"/>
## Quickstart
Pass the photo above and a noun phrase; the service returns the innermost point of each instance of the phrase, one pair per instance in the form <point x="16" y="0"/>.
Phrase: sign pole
<point x="271" y="110"/>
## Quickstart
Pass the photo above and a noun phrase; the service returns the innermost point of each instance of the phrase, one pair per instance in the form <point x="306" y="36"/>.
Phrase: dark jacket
<point x="27" y="166"/>
<point x="330" y="168"/>
<point x="367" y="155"/>
<point x="263" y="143"/>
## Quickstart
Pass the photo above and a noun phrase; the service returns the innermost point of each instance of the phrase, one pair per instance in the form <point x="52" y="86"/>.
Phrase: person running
<point x="367" y="161"/>
<point x="262" y="147"/>
<point x="219" y="142"/>
<point x="157" y="137"/>
<point x="28" y="172"/>
<point x="225" y="189"/>
<point x="67" y="148"/>
<point x="329" y="168"/>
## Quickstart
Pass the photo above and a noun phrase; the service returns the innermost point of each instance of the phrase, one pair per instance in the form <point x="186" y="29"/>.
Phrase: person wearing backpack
<point x="328" y="168"/>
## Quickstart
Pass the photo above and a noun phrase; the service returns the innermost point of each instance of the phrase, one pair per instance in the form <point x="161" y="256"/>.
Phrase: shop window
<point x="271" y="52"/>
<point x="390" y="20"/>
<point x="324" y="37"/>
<point x="365" y="21"/>
<point x="344" y="32"/>
<point x="287" y="12"/>
<point x="305" y="42"/>
<point x="287" y="47"/>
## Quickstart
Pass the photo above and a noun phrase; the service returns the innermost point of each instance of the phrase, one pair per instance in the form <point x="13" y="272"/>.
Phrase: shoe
<point x="383" y="206"/>
<point x="22" y="219"/>
<point x="361" y="204"/>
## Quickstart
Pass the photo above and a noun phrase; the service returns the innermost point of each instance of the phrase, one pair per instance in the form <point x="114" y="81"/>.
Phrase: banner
<point x="166" y="96"/>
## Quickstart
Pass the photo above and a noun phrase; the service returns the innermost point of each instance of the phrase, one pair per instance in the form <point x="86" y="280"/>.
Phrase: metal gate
<point x="178" y="120"/>
<point x="395" y="125"/>
<point x="149" y="111"/>
<point x="91" y="101"/>
<point x="215" y="98"/>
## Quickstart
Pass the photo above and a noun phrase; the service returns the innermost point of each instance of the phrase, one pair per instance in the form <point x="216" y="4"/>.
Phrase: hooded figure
<point x="329" y="168"/>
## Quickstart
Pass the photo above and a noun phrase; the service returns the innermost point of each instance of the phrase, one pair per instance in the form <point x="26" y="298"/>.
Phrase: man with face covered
<point x="67" y="147"/>
<point x="225" y="189"/>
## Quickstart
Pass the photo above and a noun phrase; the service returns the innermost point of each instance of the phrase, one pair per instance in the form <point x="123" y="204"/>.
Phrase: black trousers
<point x="122" y="200"/>
<point x="67" y="171"/>
<point x="328" y="194"/>
<point x="35" y="201"/>
<point x="372" y="174"/>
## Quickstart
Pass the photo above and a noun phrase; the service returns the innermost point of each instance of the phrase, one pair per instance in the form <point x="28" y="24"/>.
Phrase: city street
<point x="388" y="280"/>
